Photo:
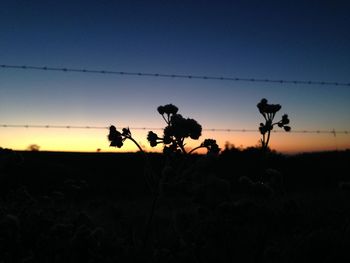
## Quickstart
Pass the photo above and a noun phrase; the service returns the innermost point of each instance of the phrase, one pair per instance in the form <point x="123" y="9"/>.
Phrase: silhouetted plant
<point x="118" y="138"/>
<point x="174" y="134"/>
<point x="268" y="111"/>
<point x="177" y="130"/>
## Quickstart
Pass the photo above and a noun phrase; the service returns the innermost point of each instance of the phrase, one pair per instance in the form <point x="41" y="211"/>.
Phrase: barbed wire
<point x="182" y="76"/>
<point x="332" y="131"/>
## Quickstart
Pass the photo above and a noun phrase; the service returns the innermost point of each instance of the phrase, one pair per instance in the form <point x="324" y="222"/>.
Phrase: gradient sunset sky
<point x="292" y="40"/>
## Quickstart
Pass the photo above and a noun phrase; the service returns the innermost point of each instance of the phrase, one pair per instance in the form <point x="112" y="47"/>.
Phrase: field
<point x="96" y="207"/>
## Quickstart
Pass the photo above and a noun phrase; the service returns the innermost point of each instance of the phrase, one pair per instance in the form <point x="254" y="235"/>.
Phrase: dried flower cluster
<point x="117" y="138"/>
<point x="177" y="130"/>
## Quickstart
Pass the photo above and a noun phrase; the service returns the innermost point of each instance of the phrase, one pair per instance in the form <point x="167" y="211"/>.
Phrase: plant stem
<point x="150" y="219"/>
<point x="138" y="146"/>
<point x="154" y="189"/>
<point x="181" y="145"/>
<point x="267" y="140"/>
<point x="150" y="178"/>
<point x="166" y="120"/>
<point x="196" y="148"/>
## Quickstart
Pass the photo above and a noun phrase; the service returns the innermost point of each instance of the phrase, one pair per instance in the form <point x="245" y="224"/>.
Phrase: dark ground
<point x="93" y="207"/>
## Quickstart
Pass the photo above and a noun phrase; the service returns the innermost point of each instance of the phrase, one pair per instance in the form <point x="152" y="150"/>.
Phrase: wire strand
<point x="182" y="76"/>
<point x="332" y="131"/>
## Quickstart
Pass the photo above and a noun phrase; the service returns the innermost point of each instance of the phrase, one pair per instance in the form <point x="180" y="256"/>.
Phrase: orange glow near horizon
<point x="77" y="140"/>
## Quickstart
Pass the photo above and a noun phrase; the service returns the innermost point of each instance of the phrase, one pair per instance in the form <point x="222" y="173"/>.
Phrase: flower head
<point x="272" y="108"/>
<point x="115" y="137"/>
<point x="211" y="145"/>
<point x="177" y="130"/>
<point x="161" y="110"/>
<point x="152" y="138"/>
<point x="261" y="105"/>
<point x="167" y="109"/>
<point x="285" y="119"/>
<point x="194" y="128"/>
<point x="170" y="109"/>
<point x="265" y="108"/>
<point x="126" y="132"/>
<point x="183" y="128"/>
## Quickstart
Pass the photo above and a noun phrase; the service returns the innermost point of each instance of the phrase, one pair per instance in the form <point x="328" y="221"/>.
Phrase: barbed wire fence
<point x="242" y="130"/>
<point x="181" y="76"/>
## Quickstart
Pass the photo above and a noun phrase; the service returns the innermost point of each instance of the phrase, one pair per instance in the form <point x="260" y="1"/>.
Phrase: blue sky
<point x="298" y="40"/>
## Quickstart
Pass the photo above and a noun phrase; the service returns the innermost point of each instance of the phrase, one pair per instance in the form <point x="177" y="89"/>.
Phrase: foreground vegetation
<point x="250" y="205"/>
<point x="77" y="207"/>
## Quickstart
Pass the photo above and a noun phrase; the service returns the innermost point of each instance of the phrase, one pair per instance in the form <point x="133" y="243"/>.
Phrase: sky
<point x="292" y="40"/>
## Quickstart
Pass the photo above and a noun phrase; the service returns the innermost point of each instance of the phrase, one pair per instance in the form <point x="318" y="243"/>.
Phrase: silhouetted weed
<point x="268" y="111"/>
<point x="270" y="178"/>
<point x="178" y="129"/>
